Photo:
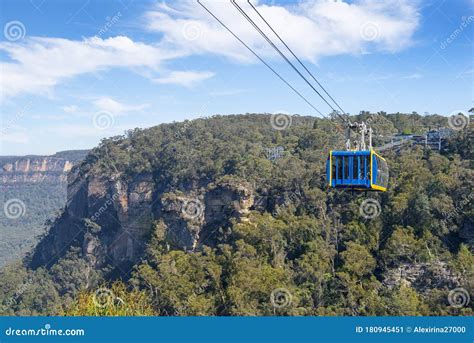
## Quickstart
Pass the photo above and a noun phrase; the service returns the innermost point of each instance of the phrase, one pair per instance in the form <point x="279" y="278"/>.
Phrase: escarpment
<point x="38" y="169"/>
<point x="107" y="217"/>
<point x="111" y="218"/>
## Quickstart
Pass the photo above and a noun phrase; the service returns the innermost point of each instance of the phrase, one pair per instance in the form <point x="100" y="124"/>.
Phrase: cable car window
<point x="346" y="167"/>
<point x="365" y="165"/>
<point x="355" y="173"/>
<point x="379" y="171"/>
<point x="368" y="169"/>
<point x="333" y="168"/>
<point x="339" y="168"/>
<point x="383" y="172"/>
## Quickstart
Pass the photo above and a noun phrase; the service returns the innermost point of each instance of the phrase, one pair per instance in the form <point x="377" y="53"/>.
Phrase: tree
<point x="405" y="301"/>
<point x="357" y="260"/>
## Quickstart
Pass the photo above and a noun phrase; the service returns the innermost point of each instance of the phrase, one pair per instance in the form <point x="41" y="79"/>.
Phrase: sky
<point x="73" y="72"/>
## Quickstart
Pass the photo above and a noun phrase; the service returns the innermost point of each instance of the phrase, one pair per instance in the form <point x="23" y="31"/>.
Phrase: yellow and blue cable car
<point x="361" y="170"/>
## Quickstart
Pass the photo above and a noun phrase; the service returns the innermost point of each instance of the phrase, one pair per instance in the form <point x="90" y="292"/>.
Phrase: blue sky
<point x="73" y="72"/>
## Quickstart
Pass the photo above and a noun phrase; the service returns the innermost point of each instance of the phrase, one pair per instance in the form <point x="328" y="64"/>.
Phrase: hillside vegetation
<point x="300" y="249"/>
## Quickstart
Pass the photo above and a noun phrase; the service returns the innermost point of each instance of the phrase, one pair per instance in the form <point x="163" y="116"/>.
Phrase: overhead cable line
<point x="296" y="57"/>
<point x="244" y="14"/>
<point x="261" y="59"/>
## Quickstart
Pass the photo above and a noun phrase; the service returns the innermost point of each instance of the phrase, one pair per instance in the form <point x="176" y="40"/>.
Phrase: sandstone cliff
<point x="35" y="169"/>
<point x="111" y="218"/>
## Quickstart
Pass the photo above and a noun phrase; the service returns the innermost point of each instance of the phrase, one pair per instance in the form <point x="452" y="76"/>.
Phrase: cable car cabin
<point x="357" y="170"/>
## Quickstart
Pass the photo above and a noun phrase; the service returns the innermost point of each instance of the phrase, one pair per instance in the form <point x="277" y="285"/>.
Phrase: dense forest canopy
<point x="301" y="249"/>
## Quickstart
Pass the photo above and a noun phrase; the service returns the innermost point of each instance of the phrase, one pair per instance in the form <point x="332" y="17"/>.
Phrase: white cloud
<point x="39" y="64"/>
<point x="311" y="28"/>
<point x="184" y="78"/>
<point x="110" y="105"/>
<point x="70" y="109"/>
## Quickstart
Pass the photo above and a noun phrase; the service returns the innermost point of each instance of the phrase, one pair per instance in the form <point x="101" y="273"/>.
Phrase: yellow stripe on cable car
<point x="330" y="168"/>
<point x="379" y="188"/>
<point x="371" y="168"/>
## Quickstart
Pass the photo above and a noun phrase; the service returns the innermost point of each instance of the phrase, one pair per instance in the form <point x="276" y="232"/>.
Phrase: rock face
<point x="36" y="169"/>
<point x="183" y="218"/>
<point x="422" y="276"/>
<point x="111" y="219"/>
<point x="195" y="218"/>
<point x="108" y="218"/>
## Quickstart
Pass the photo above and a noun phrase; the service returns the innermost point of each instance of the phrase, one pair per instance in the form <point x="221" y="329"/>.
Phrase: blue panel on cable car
<point x="363" y="170"/>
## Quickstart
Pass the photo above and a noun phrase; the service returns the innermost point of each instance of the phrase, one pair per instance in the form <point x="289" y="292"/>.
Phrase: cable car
<point x="359" y="169"/>
<point x="363" y="170"/>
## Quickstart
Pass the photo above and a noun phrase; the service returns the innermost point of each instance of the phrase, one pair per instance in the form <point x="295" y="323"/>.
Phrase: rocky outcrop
<point x="228" y="199"/>
<point x="108" y="218"/>
<point x="198" y="217"/>
<point x="36" y="169"/>
<point x="111" y="219"/>
<point x="183" y="217"/>
<point x="38" y="164"/>
<point x="421" y="276"/>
